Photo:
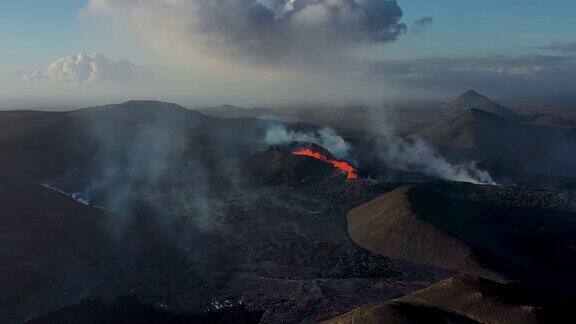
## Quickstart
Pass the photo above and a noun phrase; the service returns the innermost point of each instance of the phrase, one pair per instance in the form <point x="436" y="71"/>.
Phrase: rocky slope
<point x="490" y="231"/>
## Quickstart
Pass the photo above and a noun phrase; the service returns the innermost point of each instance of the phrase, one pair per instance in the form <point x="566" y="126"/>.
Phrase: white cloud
<point x="88" y="69"/>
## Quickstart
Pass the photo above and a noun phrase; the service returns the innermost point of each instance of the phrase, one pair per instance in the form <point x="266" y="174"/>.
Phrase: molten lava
<point x="341" y="165"/>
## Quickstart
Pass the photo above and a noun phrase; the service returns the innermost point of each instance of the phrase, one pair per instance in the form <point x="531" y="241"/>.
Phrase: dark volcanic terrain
<point x="162" y="210"/>
<point x="147" y="211"/>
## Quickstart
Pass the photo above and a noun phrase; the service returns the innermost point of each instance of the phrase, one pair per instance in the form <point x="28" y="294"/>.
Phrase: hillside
<point x="48" y="145"/>
<point x="479" y="230"/>
<point x="489" y="138"/>
<point x="390" y="226"/>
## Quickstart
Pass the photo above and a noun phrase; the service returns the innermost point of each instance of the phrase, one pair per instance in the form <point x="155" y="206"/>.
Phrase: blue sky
<point x="489" y="26"/>
<point x="34" y="32"/>
<point x="37" y="32"/>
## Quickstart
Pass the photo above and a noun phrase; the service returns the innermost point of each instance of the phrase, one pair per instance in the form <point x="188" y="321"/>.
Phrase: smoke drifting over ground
<point x="419" y="156"/>
<point x="325" y="137"/>
<point x="399" y="153"/>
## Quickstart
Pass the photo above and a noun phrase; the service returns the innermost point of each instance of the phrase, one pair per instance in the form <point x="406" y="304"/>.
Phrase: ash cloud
<point x="278" y="32"/>
<point x="325" y="137"/>
<point x="89" y="69"/>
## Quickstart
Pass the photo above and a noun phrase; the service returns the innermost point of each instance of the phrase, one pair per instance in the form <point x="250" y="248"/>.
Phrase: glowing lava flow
<point x="341" y="165"/>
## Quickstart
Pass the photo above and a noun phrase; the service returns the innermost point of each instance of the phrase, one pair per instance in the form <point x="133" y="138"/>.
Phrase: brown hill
<point x="461" y="299"/>
<point x="484" y="136"/>
<point x="489" y="231"/>
<point x="388" y="225"/>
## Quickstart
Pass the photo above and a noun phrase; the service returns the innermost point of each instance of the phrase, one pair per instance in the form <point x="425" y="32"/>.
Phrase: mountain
<point x="50" y="144"/>
<point x="494" y="232"/>
<point x="473" y="99"/>
<point x="483" y="136"/>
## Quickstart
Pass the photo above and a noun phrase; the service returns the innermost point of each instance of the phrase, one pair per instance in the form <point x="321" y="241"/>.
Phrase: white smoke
<point x="88" y="69"/>
<point x="325" y="137"/>
<point x="419" y="156"/>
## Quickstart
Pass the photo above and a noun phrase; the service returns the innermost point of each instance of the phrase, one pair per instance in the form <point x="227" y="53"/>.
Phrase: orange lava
<point x="341" y="165"/>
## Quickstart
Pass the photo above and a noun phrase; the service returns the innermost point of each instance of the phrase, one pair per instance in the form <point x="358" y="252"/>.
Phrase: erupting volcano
<point x="341" y="165"/>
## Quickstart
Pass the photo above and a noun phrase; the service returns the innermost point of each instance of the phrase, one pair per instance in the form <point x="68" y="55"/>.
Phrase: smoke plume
<point x="399" y="153"/>
<point x="325" y="137"/>
<point x="419" y="156"/>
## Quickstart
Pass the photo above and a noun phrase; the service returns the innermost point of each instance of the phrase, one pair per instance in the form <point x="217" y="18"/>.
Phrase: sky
<point x="281" y="51"/>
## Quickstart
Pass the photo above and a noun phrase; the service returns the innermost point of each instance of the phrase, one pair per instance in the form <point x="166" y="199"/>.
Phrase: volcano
<point x="343" y="166"/>
<point x="298" y="163"/>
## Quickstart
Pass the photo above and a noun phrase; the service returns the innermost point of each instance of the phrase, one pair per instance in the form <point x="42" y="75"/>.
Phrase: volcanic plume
<point x="341" y="165"/>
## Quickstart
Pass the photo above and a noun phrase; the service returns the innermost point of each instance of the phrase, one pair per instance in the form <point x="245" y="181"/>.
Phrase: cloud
<point x="88" y="69"/>
<point x="565" y="47"/>
<point x="422" y="25"/>
<point x="272" y="32"/>
<point x="501" y="75"/>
